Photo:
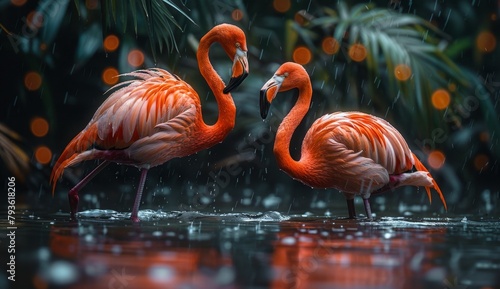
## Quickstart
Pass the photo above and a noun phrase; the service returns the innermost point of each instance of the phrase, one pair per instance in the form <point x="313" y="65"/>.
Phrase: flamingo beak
<point x="268" y="92"/>
<point x="240" y="70"/>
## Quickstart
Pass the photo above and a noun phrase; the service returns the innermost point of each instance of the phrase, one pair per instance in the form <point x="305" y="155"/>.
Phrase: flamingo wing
<point x="154" y="102"/>
<point x="357" y="151"/>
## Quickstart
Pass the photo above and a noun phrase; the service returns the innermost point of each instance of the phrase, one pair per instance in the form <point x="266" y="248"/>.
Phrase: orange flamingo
<point x="353" y="152"/>
<point x="156" y="117"/>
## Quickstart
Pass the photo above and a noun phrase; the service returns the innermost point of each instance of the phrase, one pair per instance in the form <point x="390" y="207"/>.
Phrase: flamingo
<point x="157" y="117"/>
<point x="353" y="152"/>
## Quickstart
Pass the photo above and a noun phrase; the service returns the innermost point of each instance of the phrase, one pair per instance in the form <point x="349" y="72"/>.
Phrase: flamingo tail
<point x="420" y="167"/>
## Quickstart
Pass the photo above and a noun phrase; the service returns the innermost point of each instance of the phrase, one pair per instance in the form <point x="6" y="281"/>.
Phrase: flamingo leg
<point x="350" y="208"/>
<point x="135" y="210"/>
<point x="73" y="193"/>
<point x="368" y="208"/>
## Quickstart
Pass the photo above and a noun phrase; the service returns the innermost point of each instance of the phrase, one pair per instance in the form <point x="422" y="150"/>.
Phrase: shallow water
<point x="260" y="250"/>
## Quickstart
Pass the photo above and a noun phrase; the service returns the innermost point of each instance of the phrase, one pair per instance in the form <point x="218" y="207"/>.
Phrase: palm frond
<point x="14" y="158"/>
<point x="392" y="39"/>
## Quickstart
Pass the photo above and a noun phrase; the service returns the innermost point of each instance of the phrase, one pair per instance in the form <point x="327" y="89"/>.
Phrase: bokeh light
<point x="486" y="42"/>
<point x="43" y="155"/>
<point x="39" y="126"/>
<point x="481" y="162"/>
<point x="357" y="52"/>
<point x="302" y="55"/>
<point x="237" y="14"/>
<point x="18" y="2"/>
<point x="92" y="4"/>
<point x="330" y="45"/>
<point x="110" y="76"/>
<point x="135" y="57"/>
<point x="32" y="81"/>
<point x="452" y="87"/>
<point x="111" y="43"/>
<point x="402" y="72"/>
<point x="441" y="99"/>
<point x="436" y="159"/>
<point x="34" y="20"/>
<point x="281" y="5"/>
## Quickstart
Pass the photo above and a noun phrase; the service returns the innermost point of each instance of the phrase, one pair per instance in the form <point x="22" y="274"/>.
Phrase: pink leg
<point x="137" y="202"/>
<point x="368" y="209"/>
<point x="73" y="193"/>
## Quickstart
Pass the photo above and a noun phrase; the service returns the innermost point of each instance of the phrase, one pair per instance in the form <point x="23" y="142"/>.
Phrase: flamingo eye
<point x="238" y="45"/>
<point x="285" y="74"/>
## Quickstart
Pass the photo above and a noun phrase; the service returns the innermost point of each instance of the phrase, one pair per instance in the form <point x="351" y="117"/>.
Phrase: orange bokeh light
<point x="43" y="155"/>
<point x="486" y="42"/>
<point x="302" y="55"/>
<point x="35" y="20"/>
<point x="481" y="161"/>
<point x="32" y="81"/>
<point x="237" y="14"/>
<point x="110" y="75"/>
<point x="111" y="43"/>
<point x="357" y="52"/>
<point x="135" y="57"/>
<point x="92" y="4"/>
<point x="18" y="2"/>
<point x="436" y="159"/>
<point x="39" y="126"/>
<point x="281" y="5"/>
<point x="402" y="72"/>
<point x="441" y="99"/>
<point x="330" y="45"/>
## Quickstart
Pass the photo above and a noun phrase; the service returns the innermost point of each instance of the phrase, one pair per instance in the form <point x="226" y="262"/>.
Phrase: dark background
<point x="66" y="50"/>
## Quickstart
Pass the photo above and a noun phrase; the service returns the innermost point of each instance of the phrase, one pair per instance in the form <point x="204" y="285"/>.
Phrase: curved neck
<point x="227" y="111"/>
<point x="288" y="127"/>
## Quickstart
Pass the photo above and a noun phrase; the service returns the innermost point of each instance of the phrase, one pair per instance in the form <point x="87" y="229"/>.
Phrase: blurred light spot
<point x="111" y="43"/>
<point x="61" y="273"/>
<point x="493" y="17"/>
<point x="237" y="14"/>
<point x="39" y="283"/>
<point x="135" y="57"/>
<point x="161" y="273"/>
<point x="402" y="72"/>
<point x="281" y="5"/>
<point x="330" y="45"/>
<point x="43" y="46"/>
<point x="484" y="136"/>
<point x="91" y="4"/>
<point x="486" y="42"/>
<point x="436" y="159"/>
<point x="452" y="87"/>
<point x="299" y="18"/>
<point x="357" y="52"/>
<point x="32" y="80"/>
<point x="481" y="161"/>
<point x="110" y="75"/>
<point x="302" y="55"/>
<point x="43" y="155"/>
<point x="34" y="20"/>
<point x="18" y="2"/>
<point x="441" y="99"/>
<point x="39" y="126"/>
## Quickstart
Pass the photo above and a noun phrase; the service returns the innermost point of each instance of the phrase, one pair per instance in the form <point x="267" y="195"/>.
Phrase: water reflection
<point x="193" y="250"/>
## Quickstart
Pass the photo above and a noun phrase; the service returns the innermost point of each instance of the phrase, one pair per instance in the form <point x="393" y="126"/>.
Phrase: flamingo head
<point x="233" y="41"/>
<point x="287" y="77"/>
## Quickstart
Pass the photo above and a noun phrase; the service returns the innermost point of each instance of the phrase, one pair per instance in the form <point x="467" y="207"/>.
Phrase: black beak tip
<point x="234" y="82"/>
<point x="264" y="104"/>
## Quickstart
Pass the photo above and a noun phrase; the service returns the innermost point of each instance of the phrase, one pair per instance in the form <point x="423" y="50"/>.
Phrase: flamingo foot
<point x="135" y="209"/>
<point x="73" y="202"/>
